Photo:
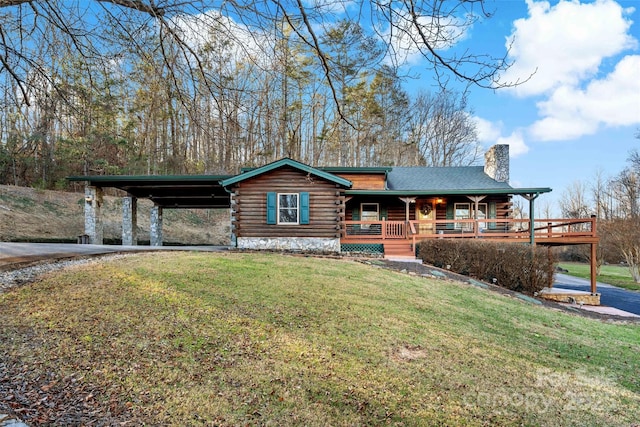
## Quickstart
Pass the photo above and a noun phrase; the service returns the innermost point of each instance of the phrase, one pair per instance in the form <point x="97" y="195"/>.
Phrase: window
<point x="369" y="213"/>
<point x="464" y="211"/>
<point x="288" y="208"/>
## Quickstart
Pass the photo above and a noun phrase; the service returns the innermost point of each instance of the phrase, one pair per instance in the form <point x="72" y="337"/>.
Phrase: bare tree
<point x="102" y="29"/>
<point x="443" y="131"/>
<point x="623" y="235"/>
<point x="626" y="189"/>
<point x="574" y="202"/>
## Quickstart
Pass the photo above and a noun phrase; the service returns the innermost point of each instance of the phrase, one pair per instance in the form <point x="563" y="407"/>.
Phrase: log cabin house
<point x="288" y="205"/>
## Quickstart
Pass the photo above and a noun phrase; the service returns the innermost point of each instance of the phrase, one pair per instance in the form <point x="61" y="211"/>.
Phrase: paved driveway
<point x="18" y="253"/>
<point x="611" y="296"/>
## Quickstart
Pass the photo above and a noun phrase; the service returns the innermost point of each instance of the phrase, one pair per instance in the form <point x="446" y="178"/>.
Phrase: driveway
<point x="21" y="253"/>
<point x="611" y="296"/>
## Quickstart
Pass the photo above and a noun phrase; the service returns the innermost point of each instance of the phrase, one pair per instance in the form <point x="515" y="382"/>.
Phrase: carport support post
<point x="92" y="216"/>
<point x="129" y="221"/>
<point x="156" y="226"/>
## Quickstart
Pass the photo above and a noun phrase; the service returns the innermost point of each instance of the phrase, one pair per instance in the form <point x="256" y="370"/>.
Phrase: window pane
<point x="482" y="211"/>
<point x="288" y="200"/>
<point x="462" y="211"/>
<point x="289" y="215"/>
<point x="288" y="208"/>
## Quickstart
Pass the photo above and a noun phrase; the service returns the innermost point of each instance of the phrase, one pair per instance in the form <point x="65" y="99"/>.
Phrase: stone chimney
<point x="496" y="162"/>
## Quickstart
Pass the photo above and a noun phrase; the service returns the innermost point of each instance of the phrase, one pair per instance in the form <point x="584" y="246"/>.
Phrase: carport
<point x="165" y="191"/>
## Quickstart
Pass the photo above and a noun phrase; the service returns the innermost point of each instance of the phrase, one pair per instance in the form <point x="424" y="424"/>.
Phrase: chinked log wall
<point x="249" y="205"/>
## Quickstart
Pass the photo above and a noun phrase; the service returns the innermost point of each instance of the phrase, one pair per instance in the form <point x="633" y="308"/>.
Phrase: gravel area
<point x="22" y="276"/>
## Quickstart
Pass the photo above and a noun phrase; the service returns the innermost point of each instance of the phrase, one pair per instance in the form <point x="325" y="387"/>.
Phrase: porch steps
<point x="399" y="251"/>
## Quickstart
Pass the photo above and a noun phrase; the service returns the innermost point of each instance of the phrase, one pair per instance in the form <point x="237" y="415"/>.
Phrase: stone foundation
<point x="296" y="244"/>
<point x="570" y="296"/>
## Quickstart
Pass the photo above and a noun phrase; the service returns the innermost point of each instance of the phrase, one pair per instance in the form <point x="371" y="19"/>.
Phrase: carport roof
<point x="168" y="191"/>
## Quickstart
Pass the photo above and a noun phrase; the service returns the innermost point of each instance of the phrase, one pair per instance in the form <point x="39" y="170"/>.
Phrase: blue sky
<point x="579" y="113"/>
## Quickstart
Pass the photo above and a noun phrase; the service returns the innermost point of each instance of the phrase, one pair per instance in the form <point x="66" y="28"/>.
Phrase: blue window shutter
<point x="492" y="214"/>
<point x="272" y="207"/>
<point x="384" y="213"/>
<point x="304" y="208"/>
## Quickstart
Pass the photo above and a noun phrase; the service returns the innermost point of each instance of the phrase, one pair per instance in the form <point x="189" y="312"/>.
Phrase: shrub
<point x="518" y="267"/>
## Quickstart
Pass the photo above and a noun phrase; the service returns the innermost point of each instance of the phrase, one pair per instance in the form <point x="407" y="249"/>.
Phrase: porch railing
<point x="471" y="228"/>
<point x="376" y="229"/>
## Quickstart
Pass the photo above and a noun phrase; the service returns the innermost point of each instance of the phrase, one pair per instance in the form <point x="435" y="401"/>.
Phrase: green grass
<point x="616" y="275"/>
<point x="266" y="339"/>
<point x="18" y="201"/>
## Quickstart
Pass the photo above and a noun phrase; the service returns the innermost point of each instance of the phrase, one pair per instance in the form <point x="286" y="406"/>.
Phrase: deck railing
<point x="376" y="229"/>
<point x="511" y="229"/>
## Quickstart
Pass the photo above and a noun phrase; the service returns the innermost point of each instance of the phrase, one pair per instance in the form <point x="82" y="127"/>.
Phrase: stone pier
<point x="129" y="221"/>
<point x="156" y="226"/>
<point x="92" y="215"/>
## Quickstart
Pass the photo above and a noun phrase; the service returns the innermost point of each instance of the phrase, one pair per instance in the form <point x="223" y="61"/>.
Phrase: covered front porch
<point x="379" y="224"/>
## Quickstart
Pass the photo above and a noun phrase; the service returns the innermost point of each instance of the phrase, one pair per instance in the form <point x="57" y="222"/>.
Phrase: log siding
<point x="249" y="208"/>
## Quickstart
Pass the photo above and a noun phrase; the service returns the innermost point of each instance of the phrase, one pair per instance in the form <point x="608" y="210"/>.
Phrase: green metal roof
<point x="369" y="170"/>
<point x="470" y="192"/>
<point x="108" y="179"/>
<point x="168" y="191"/>
<point x="286" y="162"/>
<point x="210" y="191"/>
<point x="442" y="179"/>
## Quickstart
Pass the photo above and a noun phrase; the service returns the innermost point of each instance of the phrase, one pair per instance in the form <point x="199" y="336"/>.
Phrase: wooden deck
<point x="546" y="232"/>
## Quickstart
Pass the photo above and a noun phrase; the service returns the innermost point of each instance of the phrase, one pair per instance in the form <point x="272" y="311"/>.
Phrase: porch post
<point x="476" y="207"/>
<point x="156" y="226"/>
<point x="594" y="254"/>
<point x="594" y="268"/>
<point x="407" y="201"/>
<point x="129" y="221"/>
<point x="531" y="198"/>
<point x="92" y="214"/>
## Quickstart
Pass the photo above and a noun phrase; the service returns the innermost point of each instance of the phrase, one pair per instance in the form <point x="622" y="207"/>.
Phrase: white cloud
<point x="491" y="133"/>
<point x="517" y="146"/>
<point x="231" y="38"/>
<point x="572" y="48"/>
<point x="566" y="43"/>
<point x="487" y="131"/>
<point x="572" y="112"/>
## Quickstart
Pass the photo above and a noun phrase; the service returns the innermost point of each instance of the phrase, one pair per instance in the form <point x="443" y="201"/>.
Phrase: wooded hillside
<point x="28" y="214"/>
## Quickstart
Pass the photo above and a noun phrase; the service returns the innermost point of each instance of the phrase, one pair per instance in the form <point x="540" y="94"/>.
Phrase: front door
<point x="425" y="210"/>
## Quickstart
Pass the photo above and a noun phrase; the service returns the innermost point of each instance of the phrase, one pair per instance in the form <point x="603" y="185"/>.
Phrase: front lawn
<point x="266" y="339"/>
<point x="617" y="275"/>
